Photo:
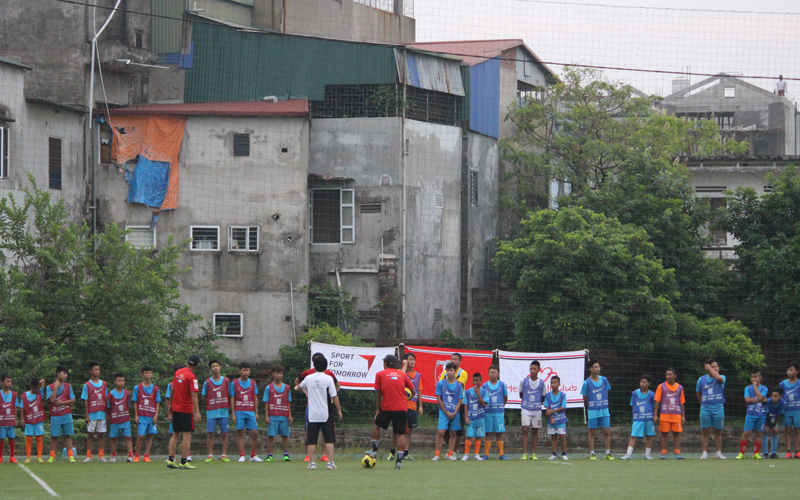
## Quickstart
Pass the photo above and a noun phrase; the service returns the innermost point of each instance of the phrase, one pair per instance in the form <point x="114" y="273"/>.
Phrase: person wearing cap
<point x="184" y="411"/>
<point x="391" y="400"/>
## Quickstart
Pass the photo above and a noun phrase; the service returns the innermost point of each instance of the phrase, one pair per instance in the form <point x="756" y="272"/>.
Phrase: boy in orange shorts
<point x="670" y="399"/>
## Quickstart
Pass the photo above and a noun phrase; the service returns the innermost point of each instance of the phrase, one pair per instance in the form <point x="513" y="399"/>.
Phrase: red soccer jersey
<point x="392" y="385"/>
<point x="183" y="385"/>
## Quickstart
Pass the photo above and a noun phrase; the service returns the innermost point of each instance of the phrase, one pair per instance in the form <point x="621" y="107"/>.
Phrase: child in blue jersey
<point x="496" y="399"/>
<point x="776" y="407"/>
<point x="243" y="400"/>
<point x="643" y="404"/>
<point x="94" y="395"/>
<point x="531" y="393"/>
<point x="791" y="417"/>
<point x="278" y="413"/>
<point x="555" y="404"/>
<point x="60" y="397"/>
<point x="475" y="400"/>
<point x="595" y="394"/>
<point x="756" y="398"/>
<point x="711" y="394"/>
<point x="449" y="396"/>
<point x="215" y="393"/>
<point x="119" y="404"/>
<point x="145" y="403"/>
<point x="8" y="416"/>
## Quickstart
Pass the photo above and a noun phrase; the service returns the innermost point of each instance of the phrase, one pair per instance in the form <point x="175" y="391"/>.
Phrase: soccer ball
<point x="367" y="462"/>
<point x="408" y="393"/>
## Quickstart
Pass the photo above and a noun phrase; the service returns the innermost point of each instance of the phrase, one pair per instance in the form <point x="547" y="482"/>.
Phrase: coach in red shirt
<point x="390" y="385"/>
<point x="185" y="410"/>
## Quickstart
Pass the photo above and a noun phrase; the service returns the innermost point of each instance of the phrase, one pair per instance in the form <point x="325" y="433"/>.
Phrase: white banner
<point x="569" y="366"/>
<point x="354" y="367"/>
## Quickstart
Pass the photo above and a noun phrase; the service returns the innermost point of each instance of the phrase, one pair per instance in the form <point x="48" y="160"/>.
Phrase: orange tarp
<point x="157" y="138"/>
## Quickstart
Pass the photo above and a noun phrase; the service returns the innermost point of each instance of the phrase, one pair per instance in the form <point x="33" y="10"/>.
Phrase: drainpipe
<point x="403" y="154"/>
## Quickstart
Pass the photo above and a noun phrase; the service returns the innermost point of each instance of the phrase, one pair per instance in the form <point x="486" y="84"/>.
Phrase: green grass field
<point x="578" y="478"/>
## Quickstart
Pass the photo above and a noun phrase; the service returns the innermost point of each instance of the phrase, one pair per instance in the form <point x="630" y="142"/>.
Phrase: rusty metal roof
<point x="282" y="109"/>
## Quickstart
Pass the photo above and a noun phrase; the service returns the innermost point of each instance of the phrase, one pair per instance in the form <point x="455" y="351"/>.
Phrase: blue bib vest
<point x="450" y="397"/>
<point x="474" y="408"/>
<point x="415" y="383"/>
<point x="598" y="396"/>
<point x="713" y="392"/>
<point x="755" y="409"/>
<point x="495" y="402"/>
<point x="532" y="398"/>
<point x="643" y="407"/>
<point x="556" y="402"/>
<point x="791" y="395"/>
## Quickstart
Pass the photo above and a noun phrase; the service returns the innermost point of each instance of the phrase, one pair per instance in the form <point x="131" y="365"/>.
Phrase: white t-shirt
<point x="780" y="85"/>
<point x="319" y="386"/>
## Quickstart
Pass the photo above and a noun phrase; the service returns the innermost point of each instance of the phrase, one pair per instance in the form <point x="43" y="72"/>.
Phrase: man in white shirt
<point x="780" y="86"/>
<point x="318" y="387"/>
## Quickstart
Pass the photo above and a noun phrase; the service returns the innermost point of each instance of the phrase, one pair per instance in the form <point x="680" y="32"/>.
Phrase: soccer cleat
<point x="408" y="457"/>
<point x="305" y="459"/>
<point x="679" y="457"/>
<point x="797" y="455"/>
<point x="13" y="460"/>
<point x="312" y="466"/>
<point x="87" y="460"/>
<point x="146" y="459"/>
<point x="435" y="459"/>
<point x="270" y="458"/>
<point x="241" y="459"/>
<point x="39" y="460"/>
<point x="1" y="459"/>
<point x="720" y="456"/>
<point x="452" y="457"/>
<point x="224" y="458"/>
<point x="136" y="459"/>
<point x="187" y="466"/>
<point x="332" y="466"/>
<point x="766" y="455"/>
<point x="524" y="456"/>
<point x="534" y="457"/>
<point x="478" y="457"/>
<point x="324" y="458"/>
<point x="390" y="457"/>
<point x="28" y="460"/>
<point x="704" y="456"/>
<point x="664" y="457"/>
<point x="788" y="454"/>
<point x="609" y="457"/>
<point x="553" y="457"/>
<point x="286" y="458"/>
<point x="209" y="459"/>
<point x="503" y="457"/>
<point x="113" y="458"/>
<point x="130" y="459"/>
<point x="103" y="460"/>
<point x="564" y="457"/>
<point x="51" y="460"/>
<point x="171" y="464"/>
<point x="774" y="455"/>
<point x="373" y="454"/>
<point x="593" y="457"/>
<point x="626" y="457"/>
<point x="485" y="457"/>
<point x="648" y="457"/>
<point x="757" y="456"/>
<point x="465" y="458"/>
<point x="398" y="465"/>
<point x="72" y="460"/>
<point x="740" y="456"/>
<point x="255" y="459"/>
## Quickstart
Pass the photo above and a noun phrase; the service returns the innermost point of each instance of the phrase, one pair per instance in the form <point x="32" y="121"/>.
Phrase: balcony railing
<point x="406" y="6"/>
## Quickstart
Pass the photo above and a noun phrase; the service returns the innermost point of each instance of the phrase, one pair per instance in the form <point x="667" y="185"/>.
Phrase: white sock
<point x="608" y="452"/>
<point x="630" y="450"/>
<point x="647" y="451"/>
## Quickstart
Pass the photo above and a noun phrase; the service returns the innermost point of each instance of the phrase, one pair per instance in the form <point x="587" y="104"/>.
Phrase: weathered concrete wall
<point x="339" y="19"/>
<point x="218" y="189"/>
<point x="29" y="135"/>
<point x="225" y="10"/>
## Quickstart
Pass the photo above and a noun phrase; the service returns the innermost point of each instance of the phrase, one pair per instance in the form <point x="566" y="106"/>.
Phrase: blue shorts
<point x="7" y="431"/>
<point x="711" y="418"/>
<point x="600" y="423"/>
<point x="145" y="429"/>
<point x="117" y="430"/>
<point x="212" y="423"/>
<point x="495" y="422"/>
<point x="791" y="419"/>
<point x="476" y="428"/>
<point x="246" y="422"/>
<point x="642" y="429"/>
<point x="278" y="426"/>
<point x="754" y="423"/>
<point x="63" y="429"/>
<point x="452" y="424"/>
<point x="34" y="429"/>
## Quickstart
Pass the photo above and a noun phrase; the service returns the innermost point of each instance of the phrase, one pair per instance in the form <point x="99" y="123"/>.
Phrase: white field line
<point x="44" y="485"/>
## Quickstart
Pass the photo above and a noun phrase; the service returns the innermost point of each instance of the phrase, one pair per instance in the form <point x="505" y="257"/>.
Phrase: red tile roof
<point x="281" y="109"/>
<point x="478" y="51"/>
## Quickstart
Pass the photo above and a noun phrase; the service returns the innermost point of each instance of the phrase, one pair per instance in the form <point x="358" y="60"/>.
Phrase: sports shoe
<point x="465" y="458"/>
<point x="479" y="458"/>
<point x="524" y="456"/>
<point x="797" y="455"/>
<point x="71" y="460"/>
<point x="312" y="466"/>
<point x="224" y="458"/>
<point x="766" y="455"/>
<point x="408" y="457"/>
<point x="398" y="465"/>
<point x="485" y="457"/>
<point x="774" y="455"/>
<point x="241" y="459"/>
<point x="647" y="457"/>
<point x="305" y="459"/>
<point x="324" y="458"/>
<point x="103" y="460"/>
<point x="269" y="458"/>
<point x="129" y="459"/>
<point x="209" y="459"/>
<point x="757" y="456"/>
<point x="28" y="460"/>
<point x="626" y="457"/>
<point x="609" y="457"/>
<point x="788" y="454"/>
<point x="534" y="457"/>
<point x="390" y="457"/>
<point x="553" y="457"/>
<point x="171" y="464"/>
<point x="593" y="457"/>
<point x="452" y="457"/>
<point x="435" y="458"/>
<point x="255" y="459"/>
<point x="679" y="457"/>
<point x="13" y="460"/>
<point x="740" y="456"/>
<point x="704" y="456"/>
<point x="40" y="460"/>
<point x="286" y="458"/>
<point x="51" y="460"/>
<point x="503" y="457"/>
<point x="373" y="454"/>
<point x="187" y="466"/>
<point x="113" y="459"/>
<point x="1" y="459"/>
<point x="664" y="457"/>
<point x="87" y="460"/>
<point x="564" y="457"/>
<point x="146" y="459"/>
<point x="332" y="466"/>
<point x="136" y="459"/>
<point x="720" y="456"/>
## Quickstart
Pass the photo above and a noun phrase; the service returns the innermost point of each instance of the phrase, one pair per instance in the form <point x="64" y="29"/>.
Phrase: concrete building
<point x="41" y="137"/>
<point x="742" y="110"/>
<point x="243" y="200"/>
<point x="54" y="38"/>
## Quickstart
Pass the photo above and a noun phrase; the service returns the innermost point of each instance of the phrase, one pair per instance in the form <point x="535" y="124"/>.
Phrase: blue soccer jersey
<point x="451" y="394"/>
<point x="597" y="396"/>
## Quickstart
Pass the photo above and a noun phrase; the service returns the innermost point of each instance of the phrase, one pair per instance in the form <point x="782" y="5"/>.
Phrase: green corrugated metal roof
<point x="12" y="62"/>
<point x="167" y="33"/>
<point x="230" y="65"/>
<point x="463" y="103"/>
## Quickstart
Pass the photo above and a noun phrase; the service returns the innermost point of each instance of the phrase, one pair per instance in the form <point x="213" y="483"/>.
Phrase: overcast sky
<point x="733" y="40"/>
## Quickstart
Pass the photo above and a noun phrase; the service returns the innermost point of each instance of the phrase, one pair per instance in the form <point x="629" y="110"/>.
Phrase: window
<point x="139" y="39"/>
<point x="54" y="162"/>
<point x="4" y="146"/>
<point x="228" y="324"/>
<point x="204" y="238"/>
<point x="730" y="92"/>
<point x="438" y="200"/>
<point x="720" y="237"/>
<point x="370" y="208"/>
<point x="243" y="238"/>
<point x="437" y="315"/>
<point x="473" y="188"/>
<point x="141" y="237"/>
<point x="331" y="215"/>
<point x="241" y="144"/>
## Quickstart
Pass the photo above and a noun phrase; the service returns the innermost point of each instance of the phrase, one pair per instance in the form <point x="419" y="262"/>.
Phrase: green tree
<point x="580" y="278"/>
<point x="69" y="297"/>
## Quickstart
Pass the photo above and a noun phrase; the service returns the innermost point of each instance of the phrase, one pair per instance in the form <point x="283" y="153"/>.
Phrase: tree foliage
<point x="68" y="297"/>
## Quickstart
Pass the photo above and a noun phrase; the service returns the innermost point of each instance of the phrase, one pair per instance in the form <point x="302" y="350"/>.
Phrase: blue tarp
<point x="149" y="182"/>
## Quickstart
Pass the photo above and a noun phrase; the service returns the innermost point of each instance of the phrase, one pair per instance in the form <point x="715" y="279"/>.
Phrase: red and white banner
<point x="569" y="366"/>
<point x="432" y="360"/>
<point x="354" y="367"/>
